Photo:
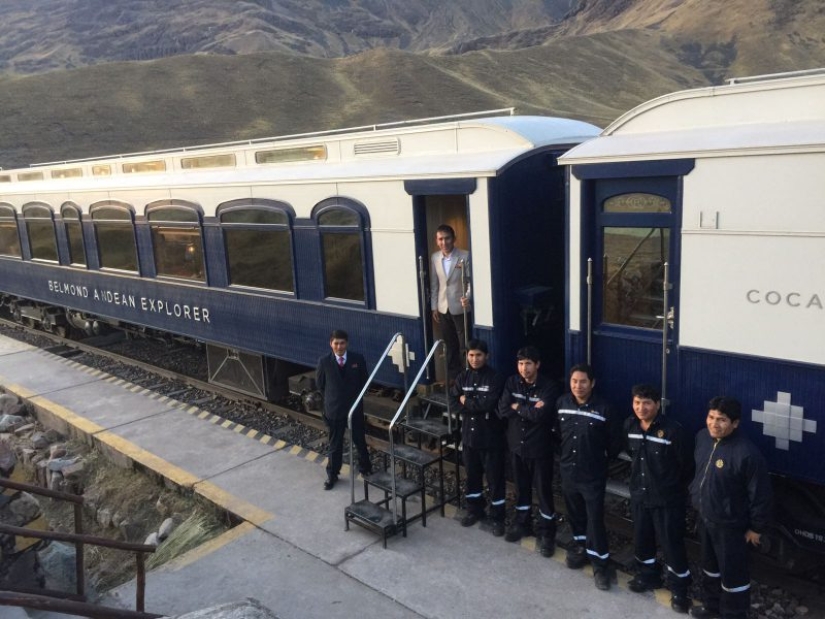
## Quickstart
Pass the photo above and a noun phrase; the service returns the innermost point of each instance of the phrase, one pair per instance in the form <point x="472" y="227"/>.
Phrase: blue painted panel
<point x="213" y="248"/>
<point x="527" y="254"/>
<point x="284" y="328"/>
<point x="90" y="244"/>
<point x="754" y="381"/>
<point x="442" y="187"/>
<point x="308" y="265"/>
<point x="146" y="256"/>
<point x="702" y="375"/>
<point x="665" y="167"/>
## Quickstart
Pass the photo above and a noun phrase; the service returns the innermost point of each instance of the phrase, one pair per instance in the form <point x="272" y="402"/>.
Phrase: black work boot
<point x="576" y="557"/>
<point x="640" y="584"/>
<point x="547" y="545"/>
<point x="470" y="519"/>
<point x="601" y="576"/>
<point x="517" y="530"/>
<point x="703" y="612"/>
<point x="680" y="603"/>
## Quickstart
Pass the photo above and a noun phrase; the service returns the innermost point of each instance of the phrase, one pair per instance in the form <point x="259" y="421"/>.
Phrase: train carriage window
<point x="9" y="237"/>
<point x="342" y="244"/>
<point x="40" y="230"/>
<point x="74" y="233"/>
<point x="115" y="233"/>
<point x="29" y="176"/>
<point x="177" y="240"/>
<point x="633" y="270"/>
<point x="67" y="173"/>
<point x="258" y="240"/>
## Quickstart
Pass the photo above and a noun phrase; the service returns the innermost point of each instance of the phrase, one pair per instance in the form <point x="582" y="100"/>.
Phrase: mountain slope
<point x="185" y="100"/>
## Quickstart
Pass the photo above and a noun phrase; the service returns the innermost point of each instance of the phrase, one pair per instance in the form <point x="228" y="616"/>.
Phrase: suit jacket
<point x="339" y="386"/>
<point x="445" y="292"/>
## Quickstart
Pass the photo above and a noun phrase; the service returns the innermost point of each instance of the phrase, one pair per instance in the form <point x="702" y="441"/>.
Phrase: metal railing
<point x="79" y="540"/>
<point x="398" y="337"/>
<point x="402" y="407"/>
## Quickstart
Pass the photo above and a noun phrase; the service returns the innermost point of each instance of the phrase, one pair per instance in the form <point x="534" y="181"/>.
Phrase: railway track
<point x="307" y="430"/>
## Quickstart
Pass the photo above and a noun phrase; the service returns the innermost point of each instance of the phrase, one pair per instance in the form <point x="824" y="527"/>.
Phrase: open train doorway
<point x="432" y="211"/>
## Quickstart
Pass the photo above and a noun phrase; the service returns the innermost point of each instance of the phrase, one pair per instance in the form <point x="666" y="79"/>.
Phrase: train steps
<point x="407" y="462"/>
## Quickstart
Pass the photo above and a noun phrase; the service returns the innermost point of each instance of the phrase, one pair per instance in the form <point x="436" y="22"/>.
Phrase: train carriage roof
<point x="782" y="113"/>
<point x="478" y="147"/>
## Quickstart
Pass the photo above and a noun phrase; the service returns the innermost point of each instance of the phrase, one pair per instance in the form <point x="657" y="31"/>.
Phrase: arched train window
<point x="40" y="230"/>
<point x="177" y="239"/>
<point x="258" y="239"/>
<point x="343" y="247"/>
<point x="74" y="233"/>
<point x="115" y="233"/>
<point x="9" y="238"/>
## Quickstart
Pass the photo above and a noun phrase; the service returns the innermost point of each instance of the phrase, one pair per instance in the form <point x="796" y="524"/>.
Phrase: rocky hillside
<point x="160" y="74"/>
<point x="40" y="35"/>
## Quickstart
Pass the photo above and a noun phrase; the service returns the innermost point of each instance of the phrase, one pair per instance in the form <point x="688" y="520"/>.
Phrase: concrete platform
<point x="292" y="552"/>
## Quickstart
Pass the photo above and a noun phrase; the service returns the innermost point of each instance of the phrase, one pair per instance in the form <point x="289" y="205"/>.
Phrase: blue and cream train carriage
<point x="691" y="253"/>
<point x="696" y="261"/>
<point x="258" y="249"/>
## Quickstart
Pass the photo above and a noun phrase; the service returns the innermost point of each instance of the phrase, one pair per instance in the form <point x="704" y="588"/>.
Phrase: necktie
<point x="340" y="362"/>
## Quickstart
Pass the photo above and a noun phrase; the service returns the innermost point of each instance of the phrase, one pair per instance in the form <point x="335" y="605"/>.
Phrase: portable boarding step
<point x="382" y="516"/>
<point x="437" y="430"/>
<point x="404" y="489"/>
<point x="372" y="517"/>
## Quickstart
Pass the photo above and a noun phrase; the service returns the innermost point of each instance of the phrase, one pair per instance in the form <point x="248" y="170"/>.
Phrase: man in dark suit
<point x="340" y="376"/>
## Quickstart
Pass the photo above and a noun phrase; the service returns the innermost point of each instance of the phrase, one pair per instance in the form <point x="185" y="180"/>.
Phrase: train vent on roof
<point x="375" y="147"/>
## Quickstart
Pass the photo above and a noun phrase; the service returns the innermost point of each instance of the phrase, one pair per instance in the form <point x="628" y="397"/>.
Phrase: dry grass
<point x="144" y="502"/>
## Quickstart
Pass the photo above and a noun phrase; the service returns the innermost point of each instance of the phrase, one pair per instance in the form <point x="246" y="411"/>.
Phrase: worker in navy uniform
<point x="591" y="433"/>
<point x="340" y="377"/>
<point x="474" y="395"/>
<point x="661" y="452"/>
<point x="449" y="295"/>
<point x="732" y="495"/>
<point x="527" y="404"/>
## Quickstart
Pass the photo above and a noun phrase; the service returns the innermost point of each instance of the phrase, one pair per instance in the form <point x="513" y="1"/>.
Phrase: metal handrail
<point x="402" y="408"/>
<point x="82" y="609"/>
<point x="79" y="539"/>
<point x="384" y="355"/>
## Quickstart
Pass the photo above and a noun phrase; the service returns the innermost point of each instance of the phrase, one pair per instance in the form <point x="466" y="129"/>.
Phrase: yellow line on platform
<point x="61" y="412"/>
<point x="19" y="390"/>
<point x="171" y="472"/>
<point x="233" y="504"/>
<point x="208" y="547"/>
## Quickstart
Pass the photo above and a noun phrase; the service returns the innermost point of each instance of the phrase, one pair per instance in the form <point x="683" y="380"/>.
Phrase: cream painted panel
<point x="482" y="285"/>
<point x="389" y="206"/>
<point x="210" y="197"/>
<point x="87" y="198"/>
<point x="395" y="269"/>
<point x="395" y="265"/>
<point x="776" y="193"/>
<point x="754" y="294"/>
<point x="139" y="199"/>
<point x="301" y="197"/>
<point x="17" y="201"/>
<point x="575" y="240"/>
<point x="728" y="105"/>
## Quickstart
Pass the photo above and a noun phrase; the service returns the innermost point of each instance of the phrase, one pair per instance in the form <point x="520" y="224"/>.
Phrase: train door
<point x="634" y="282"/>
<point x="431" y="211"/>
